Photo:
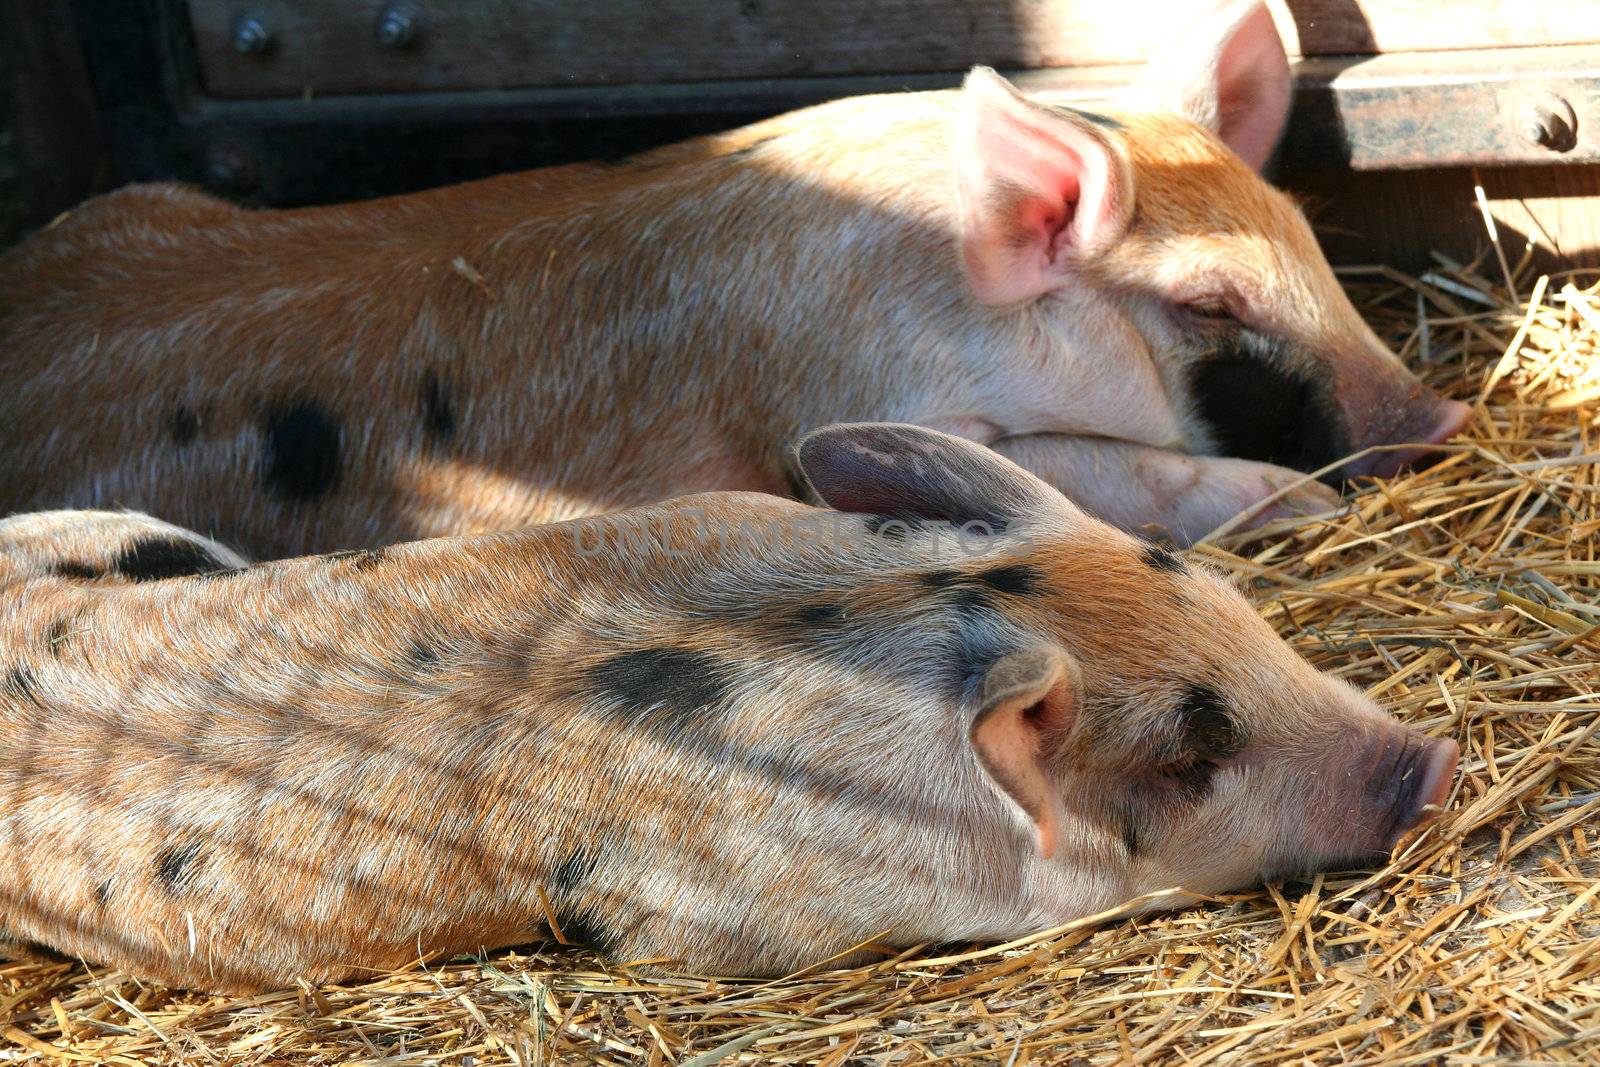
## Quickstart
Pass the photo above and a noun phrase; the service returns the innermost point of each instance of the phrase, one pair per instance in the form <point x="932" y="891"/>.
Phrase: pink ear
<point x="1041" y="190"/>
<point x="1029" y="700"/>
<point x="1230" y="74"/>
<point x="1252" y="87"/>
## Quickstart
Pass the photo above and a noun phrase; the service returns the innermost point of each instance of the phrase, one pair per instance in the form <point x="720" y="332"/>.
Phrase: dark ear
<point x="909" y="472"/>
<point x="1027" y="702"/>
<point x="1230" y="74"/>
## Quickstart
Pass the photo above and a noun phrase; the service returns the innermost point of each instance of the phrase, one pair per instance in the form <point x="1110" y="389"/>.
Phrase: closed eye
<point x="1190" y="776"/>
<point x="1212" y="311"/>
<point x="1183" y="766"/>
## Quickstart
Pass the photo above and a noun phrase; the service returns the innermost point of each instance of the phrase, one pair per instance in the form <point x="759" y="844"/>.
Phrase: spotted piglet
<point x="730" y="730"/>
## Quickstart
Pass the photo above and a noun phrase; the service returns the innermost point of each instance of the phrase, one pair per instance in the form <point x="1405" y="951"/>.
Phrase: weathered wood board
<point x="334" y="46"/>
<point x="1401" y="217"/>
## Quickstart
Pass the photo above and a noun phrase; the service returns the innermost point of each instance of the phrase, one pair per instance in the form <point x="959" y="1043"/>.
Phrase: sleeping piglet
<point x="1116" y="300"/>
<point x="731" y="730"/>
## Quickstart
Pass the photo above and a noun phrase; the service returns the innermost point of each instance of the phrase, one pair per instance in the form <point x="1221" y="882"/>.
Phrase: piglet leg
<point x="1153" y="491"/>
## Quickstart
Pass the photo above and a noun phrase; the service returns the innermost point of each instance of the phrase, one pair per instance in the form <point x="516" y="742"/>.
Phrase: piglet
<point x="730" y="730"/>
<point x="1114" y="299"/>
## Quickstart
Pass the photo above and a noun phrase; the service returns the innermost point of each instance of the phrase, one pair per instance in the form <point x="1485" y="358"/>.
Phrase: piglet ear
<point x="1041" y="190"/>
<point x="1230" y="74"/>
<point x="910" y="472"/>
<point x="1028" y="703"/>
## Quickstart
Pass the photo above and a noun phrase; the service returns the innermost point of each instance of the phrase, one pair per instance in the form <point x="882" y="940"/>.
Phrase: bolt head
<point x="1550" y="123"/>
<point x="397" y="28"/>
<point x="251" y="36"/>
<point x="229" y="169"/>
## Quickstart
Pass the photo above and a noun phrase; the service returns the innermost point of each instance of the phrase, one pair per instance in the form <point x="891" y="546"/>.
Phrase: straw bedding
<point x="1466" y="598"/>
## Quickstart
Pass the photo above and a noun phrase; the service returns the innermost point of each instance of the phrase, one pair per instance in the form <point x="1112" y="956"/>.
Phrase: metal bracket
<point x="1499" y="107"/>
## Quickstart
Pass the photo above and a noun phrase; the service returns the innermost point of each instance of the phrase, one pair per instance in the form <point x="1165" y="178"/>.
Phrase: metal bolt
<point x="1551" y="124"/>
<point x="398" y="26"/>
<point x="230" y="169"/>
<point x="251" y="37"/>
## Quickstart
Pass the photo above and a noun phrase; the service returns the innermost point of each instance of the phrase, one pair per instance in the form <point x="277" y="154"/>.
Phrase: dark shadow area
<point x="585" y="82"/>
<point x="53" y="151"/>
<point x="10" y="171"/>
<point x="1339" y="27"/>
<point x="1317" y="129"/>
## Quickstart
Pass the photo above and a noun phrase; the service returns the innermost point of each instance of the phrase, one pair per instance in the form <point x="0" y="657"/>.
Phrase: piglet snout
<point x="1409" y="773"/>
<point x="1426" y="421"/>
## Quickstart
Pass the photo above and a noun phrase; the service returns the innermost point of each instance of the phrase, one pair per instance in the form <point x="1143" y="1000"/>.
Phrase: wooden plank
<point x="320" y="47"/>
<point x="1400" y="217"/>
<point x="1342" y="27"/>
<point x="1399" y="110"/>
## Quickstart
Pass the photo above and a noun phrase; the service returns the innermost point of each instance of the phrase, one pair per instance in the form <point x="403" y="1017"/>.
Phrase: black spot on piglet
<point x="572" y="874"/>
<point x="1259" y="409"/>
<point x="68" y="568"/>
<point x="300" y="461"/>
<point x="678" y="681"/>
<point x="421" y="657"/>
<point x="175" y="867"/>
<point x="817" y="616"/>
<point x="151" y="559"/>
<point x="19" y="683"/>
<point x="584" y="928"/>
<point x="183" y="425"/>
<point x="1162" y="559"/>
<point x="438" y="410"/>
<point x="1130" y="836"/>
<point x="961" y="594"/>
<point x="1209" y="730"/>
<point x="568" y="884"/>
<point x="1018" y="579"/>
<point x="1208" y="735"/>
